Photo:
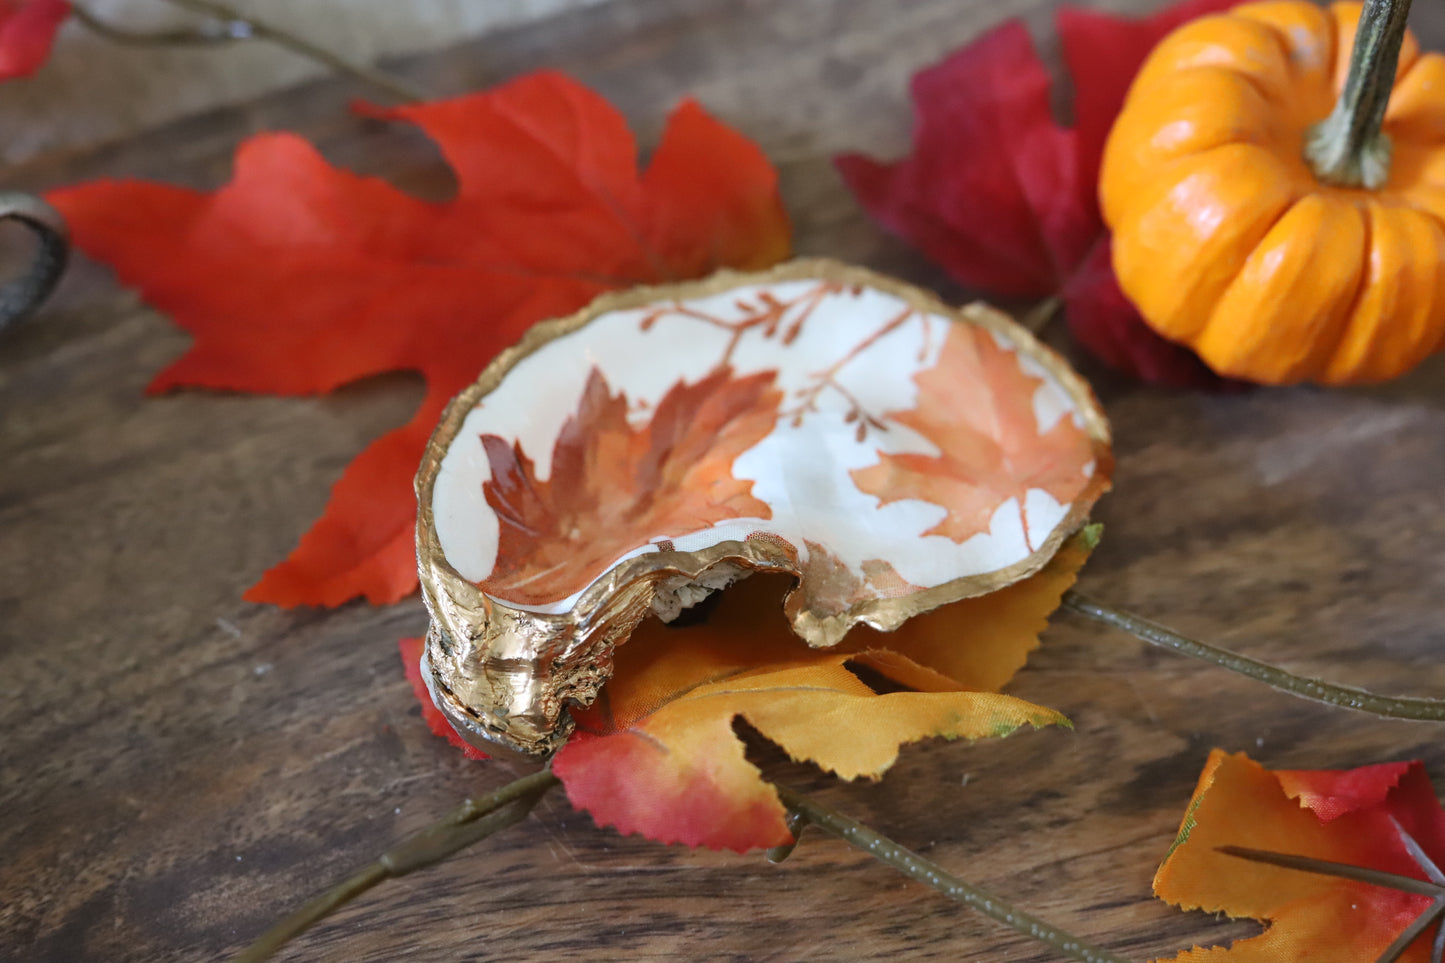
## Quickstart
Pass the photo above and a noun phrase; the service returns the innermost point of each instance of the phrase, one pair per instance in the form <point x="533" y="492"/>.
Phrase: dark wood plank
<point x="179" y="767"/>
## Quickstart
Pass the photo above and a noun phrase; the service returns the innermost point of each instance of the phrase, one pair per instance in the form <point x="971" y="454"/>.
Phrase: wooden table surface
<point x="179" y="768"/>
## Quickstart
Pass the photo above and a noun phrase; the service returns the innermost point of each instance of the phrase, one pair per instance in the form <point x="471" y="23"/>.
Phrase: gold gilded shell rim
<point x="450" y="598"/>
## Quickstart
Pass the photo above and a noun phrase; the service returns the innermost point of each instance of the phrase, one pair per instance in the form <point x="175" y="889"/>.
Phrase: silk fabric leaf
<point x="658" y="753"/>
<point x="298" y="277"/>
<point x="1344" y="817"/>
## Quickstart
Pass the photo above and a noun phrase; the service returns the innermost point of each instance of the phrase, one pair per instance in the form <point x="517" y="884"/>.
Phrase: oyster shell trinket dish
<point x="890" y="453"/>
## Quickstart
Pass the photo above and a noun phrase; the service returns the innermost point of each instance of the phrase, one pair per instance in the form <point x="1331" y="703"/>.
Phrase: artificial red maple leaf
<point x="976" y="405"/>
<point x="1382" y="818"/>
<point x="298" y="277"/>
<point x="613" y="487"/>
<point x="27" y="29"/>
<point x="1003" y="198"/>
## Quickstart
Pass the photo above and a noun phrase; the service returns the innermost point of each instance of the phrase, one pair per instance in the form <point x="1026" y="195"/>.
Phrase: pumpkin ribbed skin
<point x="1223" y="236"/>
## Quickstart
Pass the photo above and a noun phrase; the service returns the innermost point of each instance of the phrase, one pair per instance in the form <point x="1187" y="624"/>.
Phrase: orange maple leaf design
<point x="614" y="488"/>
<point x="976" y="405"/>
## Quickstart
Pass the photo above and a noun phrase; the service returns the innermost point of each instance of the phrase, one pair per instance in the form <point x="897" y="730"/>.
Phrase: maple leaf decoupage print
<point x="298" y="277"/>
<point x="1003" y="197"/>
<point x="977" y="408"/>
<point x="611" y="485"/>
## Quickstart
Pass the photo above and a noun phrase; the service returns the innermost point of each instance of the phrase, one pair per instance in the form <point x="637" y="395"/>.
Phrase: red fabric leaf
<point x="1103" y="52"/>
<point x="298" y="277"/>
<point x="1332" y="793"/>
<point x="411" y="651"/>
<point x="1104" y="322"/>
<point x="632" y="786"/>
<point x="1003" y="198"/>
<point x="27" y="29"/>
<point x="987" y="193"/>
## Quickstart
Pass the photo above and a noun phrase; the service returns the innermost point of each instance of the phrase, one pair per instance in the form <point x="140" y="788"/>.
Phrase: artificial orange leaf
<point x="980" y="643"/>
<point x="298" y="277"/>
<point x="1370" y="817"/>
<point x="992" y="445"/>
<point x="613" y="486"/>
<point x="657" y="753"/>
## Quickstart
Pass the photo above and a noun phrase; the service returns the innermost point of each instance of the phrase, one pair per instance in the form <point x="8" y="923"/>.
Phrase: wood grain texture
<point x="179" y="768"/>
<point x="66" y="107"/>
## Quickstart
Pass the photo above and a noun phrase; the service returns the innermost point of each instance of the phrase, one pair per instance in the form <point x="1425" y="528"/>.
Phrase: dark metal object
<point x="20" y="297"/>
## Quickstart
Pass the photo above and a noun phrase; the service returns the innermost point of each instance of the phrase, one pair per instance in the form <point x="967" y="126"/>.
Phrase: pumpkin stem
<point x="1348" y="148"/>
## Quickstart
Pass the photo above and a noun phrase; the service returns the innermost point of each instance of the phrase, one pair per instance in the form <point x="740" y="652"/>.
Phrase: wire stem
<point x="930" y="874"/>
<point x="280" y="36"/>
<point x="210" y="32"/>
<point x="1348" y="697"/>
<point x="471" y="822"/>
<point x="1039" y="316"/>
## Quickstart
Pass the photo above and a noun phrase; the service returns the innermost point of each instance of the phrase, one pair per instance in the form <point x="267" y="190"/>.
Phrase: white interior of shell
<point x="841" y="356"/>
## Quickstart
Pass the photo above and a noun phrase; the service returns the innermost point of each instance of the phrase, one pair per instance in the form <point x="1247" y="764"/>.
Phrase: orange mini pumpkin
<point x="1235" y="232"/>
